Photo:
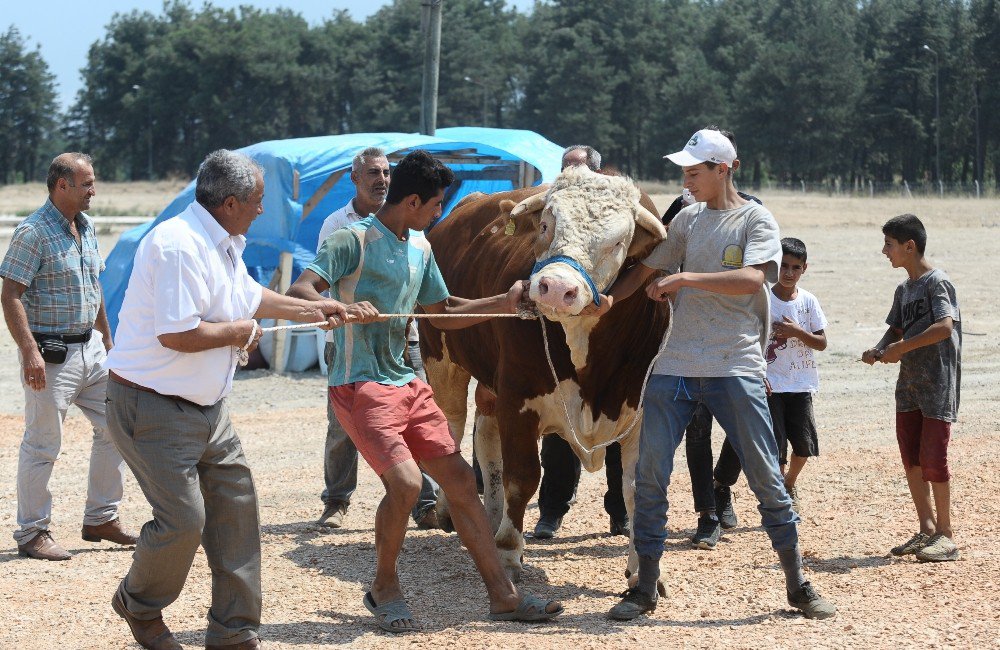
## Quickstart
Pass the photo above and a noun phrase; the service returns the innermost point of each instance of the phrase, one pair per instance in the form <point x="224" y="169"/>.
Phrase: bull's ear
<point x="506" y="205"/>
<point x="533" y="203"/>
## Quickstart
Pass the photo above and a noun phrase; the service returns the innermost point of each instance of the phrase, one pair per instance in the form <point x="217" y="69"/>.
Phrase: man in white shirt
<point x="186" y="320"/>
<point x="370" y="175"/>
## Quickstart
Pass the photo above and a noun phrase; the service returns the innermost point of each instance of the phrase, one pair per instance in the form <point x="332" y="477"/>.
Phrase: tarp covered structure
<point x="305" y="179"/>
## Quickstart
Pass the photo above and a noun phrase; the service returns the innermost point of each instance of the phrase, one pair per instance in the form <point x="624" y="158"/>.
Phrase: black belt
<point x="65" y="338"/>
<point x="118" y="379"/>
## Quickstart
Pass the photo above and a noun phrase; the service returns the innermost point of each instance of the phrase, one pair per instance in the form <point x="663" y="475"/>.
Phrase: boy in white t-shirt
<point x="797" y="329"/>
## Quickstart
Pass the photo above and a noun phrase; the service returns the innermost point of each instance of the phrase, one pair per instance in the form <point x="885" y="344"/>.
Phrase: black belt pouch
<point x="53" y="350"/>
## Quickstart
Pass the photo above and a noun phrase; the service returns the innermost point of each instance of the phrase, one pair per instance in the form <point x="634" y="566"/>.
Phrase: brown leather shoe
<point x="43" y="547"/>
<point x="152" y="634"/>
<point x="113" y="531"/>
<point x="249" y="644"/>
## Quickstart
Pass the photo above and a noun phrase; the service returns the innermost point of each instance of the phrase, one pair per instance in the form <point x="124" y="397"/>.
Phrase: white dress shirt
<point x="342" y="217"/>
<point x="188" y="269"/>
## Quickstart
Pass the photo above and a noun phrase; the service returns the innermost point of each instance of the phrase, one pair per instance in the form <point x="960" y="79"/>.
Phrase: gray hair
<point x="64" y="166"/>
<point x="226" y="173"/>
<point x="593" y="157"/>
<point x="366" y="155"/>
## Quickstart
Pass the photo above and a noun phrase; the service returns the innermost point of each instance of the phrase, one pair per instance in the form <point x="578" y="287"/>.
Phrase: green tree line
<point x="830" y="91"/>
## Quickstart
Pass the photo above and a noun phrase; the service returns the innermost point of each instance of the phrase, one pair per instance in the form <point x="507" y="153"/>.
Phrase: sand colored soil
<point x="855" y="503"/>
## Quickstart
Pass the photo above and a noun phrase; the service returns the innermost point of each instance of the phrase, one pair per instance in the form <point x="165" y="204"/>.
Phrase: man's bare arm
<point x="33" y="366"/>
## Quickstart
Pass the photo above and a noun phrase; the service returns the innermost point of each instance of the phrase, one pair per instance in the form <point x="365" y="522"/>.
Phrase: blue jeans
<point x="740" y="406"/>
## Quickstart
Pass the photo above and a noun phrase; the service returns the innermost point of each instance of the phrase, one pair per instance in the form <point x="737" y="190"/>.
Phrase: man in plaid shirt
<point x="54" y="309"/>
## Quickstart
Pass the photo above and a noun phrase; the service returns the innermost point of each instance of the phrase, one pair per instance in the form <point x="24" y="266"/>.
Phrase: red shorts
<point x="392" y="424"/>
<point x="923" y="443"/>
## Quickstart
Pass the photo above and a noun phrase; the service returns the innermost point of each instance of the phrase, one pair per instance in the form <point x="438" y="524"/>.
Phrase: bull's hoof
<point x="633" y="580"/>
<point x="514" y="573"/>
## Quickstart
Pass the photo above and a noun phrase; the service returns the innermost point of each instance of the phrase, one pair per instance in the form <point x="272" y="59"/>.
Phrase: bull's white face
<point x="590" y="218"/>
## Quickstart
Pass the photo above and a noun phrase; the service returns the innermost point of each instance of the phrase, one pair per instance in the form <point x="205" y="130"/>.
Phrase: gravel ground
<point x="855" y="505"/>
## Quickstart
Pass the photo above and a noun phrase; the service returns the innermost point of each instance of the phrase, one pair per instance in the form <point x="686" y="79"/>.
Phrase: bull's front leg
<point x="521" y="473"/>
<point x="630" y="456"/>
<point x="488" y="453"/>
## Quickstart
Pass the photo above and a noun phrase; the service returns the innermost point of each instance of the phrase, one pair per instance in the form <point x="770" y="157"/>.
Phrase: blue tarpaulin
<point x="484" y="160"/>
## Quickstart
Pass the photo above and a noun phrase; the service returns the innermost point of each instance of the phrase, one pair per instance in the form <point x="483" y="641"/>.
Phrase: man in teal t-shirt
<point x="389" y="413"/>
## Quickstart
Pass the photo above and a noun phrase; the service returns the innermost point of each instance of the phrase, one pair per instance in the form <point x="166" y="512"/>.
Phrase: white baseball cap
<point x="706" y="145"/>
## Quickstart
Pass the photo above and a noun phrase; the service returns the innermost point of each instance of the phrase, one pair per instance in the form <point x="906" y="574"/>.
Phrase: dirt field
<point x="855" y="503"/>
<point x="138" y="199"/>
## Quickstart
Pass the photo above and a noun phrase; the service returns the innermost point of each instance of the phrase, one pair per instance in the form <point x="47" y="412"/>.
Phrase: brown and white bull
<point x="585" y="224"/>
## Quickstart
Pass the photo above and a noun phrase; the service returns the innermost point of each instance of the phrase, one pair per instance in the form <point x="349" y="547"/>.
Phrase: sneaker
<point x="620" y="526"/>
<point x="709" y="531"/>
<point x="794" y="493"/>
<point x="547" y="526"/>
<point x="912" y="545"/>
<point x="634" y="604"/>
<point x="810" y="603"/>
<point x="938" y="549"/>
<point x="333" y="515"/>
<point x="724" y="507"/>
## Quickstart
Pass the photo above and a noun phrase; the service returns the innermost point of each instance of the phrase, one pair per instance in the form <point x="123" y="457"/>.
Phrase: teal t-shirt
<point x="366" y="261"/>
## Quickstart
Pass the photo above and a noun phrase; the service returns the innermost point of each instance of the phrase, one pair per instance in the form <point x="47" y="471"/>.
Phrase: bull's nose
<point x="543" y="288"/>
<point x="570" y="296"/>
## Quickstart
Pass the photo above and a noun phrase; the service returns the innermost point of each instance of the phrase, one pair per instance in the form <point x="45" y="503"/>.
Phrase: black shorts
<point x="792" y="415"/>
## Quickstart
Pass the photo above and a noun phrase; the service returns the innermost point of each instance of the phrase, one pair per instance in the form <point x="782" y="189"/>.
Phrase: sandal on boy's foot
<point x="529" y="610"/>
<point x="912" y="545"/>
<point x="938" y="549"/>
<point x="388" y="613"/>
<point x="634" y="604"/>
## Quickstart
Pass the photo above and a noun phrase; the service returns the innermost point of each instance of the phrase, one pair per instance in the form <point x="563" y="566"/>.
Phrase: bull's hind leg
<point x="451" y="392"/>
<point x="488" y="454"/>
<point x="630" y="456"/>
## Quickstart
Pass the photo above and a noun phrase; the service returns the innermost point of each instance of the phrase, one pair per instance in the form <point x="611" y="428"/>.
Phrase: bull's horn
<point x="648" y="221"/>
<point x="533" y="203"/>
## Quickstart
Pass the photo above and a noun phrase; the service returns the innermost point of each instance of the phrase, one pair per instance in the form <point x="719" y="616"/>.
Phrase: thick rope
<point x="525" y="315"/>
<point x="243" y="355"/>
<point x="642" y="393"/>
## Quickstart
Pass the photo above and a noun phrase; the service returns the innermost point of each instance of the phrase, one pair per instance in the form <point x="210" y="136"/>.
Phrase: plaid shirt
<point x="63" y="294"/>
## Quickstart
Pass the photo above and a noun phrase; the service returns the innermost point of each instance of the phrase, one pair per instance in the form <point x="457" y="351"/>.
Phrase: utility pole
<point x="937" y="113"/>
<point x="149" y="131"/>
<point x="485" y="95"/>
<point x="430" y="21"/>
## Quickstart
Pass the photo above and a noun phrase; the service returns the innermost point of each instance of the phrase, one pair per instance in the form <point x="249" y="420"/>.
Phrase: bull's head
<point x="586" y="226"/>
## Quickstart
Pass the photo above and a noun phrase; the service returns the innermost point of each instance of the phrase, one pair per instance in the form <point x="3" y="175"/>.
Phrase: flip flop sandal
<point x="388" y="613"/>
<point x="530" y="609"/>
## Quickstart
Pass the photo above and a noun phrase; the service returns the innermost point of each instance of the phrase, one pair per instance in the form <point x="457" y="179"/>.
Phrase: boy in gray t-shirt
<point x="925" y="337"/>
<point x="727" y="247"/>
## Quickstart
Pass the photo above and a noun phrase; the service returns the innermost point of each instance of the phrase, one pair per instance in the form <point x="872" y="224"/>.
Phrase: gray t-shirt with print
<point x="716" y="335"/>
<point x="929" y="377"/>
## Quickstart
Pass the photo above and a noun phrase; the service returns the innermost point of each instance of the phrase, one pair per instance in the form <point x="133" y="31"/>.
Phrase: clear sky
<point x="65" y="29"/>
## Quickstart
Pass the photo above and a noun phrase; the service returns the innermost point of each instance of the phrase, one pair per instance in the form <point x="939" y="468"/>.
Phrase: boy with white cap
<point x="728" y="248"/>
